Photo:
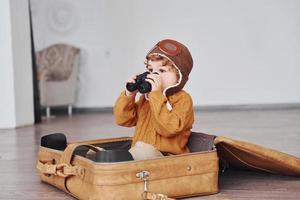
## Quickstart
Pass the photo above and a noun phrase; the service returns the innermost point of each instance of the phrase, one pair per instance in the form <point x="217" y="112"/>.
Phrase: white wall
<point x="16" y="102"/>
<point x="22" y="63"/>
<point x="245" y="52"/>
<point x="7" y="106"/>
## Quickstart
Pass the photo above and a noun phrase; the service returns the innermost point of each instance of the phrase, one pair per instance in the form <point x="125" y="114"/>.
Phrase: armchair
<point x="57" y="67"/>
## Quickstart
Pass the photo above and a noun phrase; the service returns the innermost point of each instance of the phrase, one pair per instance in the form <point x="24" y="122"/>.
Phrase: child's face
<point x="168" y="76"/>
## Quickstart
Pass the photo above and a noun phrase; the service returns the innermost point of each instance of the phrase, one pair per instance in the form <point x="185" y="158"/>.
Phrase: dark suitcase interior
<point x="118" y="151"/>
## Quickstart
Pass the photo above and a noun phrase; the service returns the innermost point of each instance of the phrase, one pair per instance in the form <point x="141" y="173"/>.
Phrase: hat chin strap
<point x="173" y="86"/>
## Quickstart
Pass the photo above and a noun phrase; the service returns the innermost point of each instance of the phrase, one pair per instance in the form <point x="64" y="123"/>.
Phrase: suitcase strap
<point x="64" y="168"/>
<point x="66" y="159"/>
<point x="69" y="151"/>
<point x="61" y="170"/>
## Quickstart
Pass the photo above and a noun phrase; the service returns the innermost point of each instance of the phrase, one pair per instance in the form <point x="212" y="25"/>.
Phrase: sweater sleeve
<point x="125" y="110"/>
<point x="172" y="122"/>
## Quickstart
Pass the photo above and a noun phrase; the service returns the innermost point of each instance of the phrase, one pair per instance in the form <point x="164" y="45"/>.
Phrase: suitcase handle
<point x="66" y="158"/>
<point x="69" y="151"/>
<point x="64" y="168"/>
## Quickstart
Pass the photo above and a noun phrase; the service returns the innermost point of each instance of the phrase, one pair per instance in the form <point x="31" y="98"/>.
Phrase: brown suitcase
<point x="191" y="174"/>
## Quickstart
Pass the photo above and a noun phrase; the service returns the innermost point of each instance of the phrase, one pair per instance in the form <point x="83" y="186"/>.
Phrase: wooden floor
<point x="277" y="128"/>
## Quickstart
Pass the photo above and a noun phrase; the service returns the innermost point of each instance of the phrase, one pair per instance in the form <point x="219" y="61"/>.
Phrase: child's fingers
<point x="131" y="79"/>
<point x="134" y="77"/>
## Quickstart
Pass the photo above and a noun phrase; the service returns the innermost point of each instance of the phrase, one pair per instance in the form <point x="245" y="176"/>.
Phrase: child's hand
<point x="155" y="81"/>
<point x="130" y="80"/>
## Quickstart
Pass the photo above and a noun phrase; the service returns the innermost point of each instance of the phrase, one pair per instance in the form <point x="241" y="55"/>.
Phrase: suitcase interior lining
<point x="197" y="142"/>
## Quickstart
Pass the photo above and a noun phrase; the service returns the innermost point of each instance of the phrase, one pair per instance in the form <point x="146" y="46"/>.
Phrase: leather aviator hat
<point x="181" y="58"/>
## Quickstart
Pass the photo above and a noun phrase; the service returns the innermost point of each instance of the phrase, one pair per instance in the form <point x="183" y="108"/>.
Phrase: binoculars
<point x="140" y="84"/>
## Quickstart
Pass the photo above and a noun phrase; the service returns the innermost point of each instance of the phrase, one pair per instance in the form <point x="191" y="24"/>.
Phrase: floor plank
<point x="277" y="129"/>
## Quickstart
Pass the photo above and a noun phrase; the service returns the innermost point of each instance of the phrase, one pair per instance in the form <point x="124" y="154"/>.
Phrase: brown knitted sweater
<point x="167" y="127"/>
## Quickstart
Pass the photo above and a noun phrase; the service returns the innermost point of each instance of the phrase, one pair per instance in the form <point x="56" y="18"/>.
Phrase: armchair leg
<point x="48" y="112"/>
<point x="70" y="110"/>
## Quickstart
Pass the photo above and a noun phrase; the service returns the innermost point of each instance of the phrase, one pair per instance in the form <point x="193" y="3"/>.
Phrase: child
<point x="164" y="116"/>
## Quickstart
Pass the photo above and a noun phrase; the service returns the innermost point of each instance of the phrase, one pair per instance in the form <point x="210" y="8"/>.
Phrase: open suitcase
<point x="68" y="167"/>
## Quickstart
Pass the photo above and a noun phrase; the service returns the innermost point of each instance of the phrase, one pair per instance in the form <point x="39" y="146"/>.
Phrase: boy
<point x="164" y="116"/>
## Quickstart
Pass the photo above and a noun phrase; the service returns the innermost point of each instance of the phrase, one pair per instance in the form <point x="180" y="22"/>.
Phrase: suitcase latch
<point x="143" y="175"/>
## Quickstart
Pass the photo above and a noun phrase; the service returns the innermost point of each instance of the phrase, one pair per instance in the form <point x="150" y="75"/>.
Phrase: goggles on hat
<point x="169" y="47"/>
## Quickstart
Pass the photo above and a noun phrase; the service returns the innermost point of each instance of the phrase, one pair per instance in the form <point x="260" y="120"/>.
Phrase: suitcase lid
<point x="254" y="157"/>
